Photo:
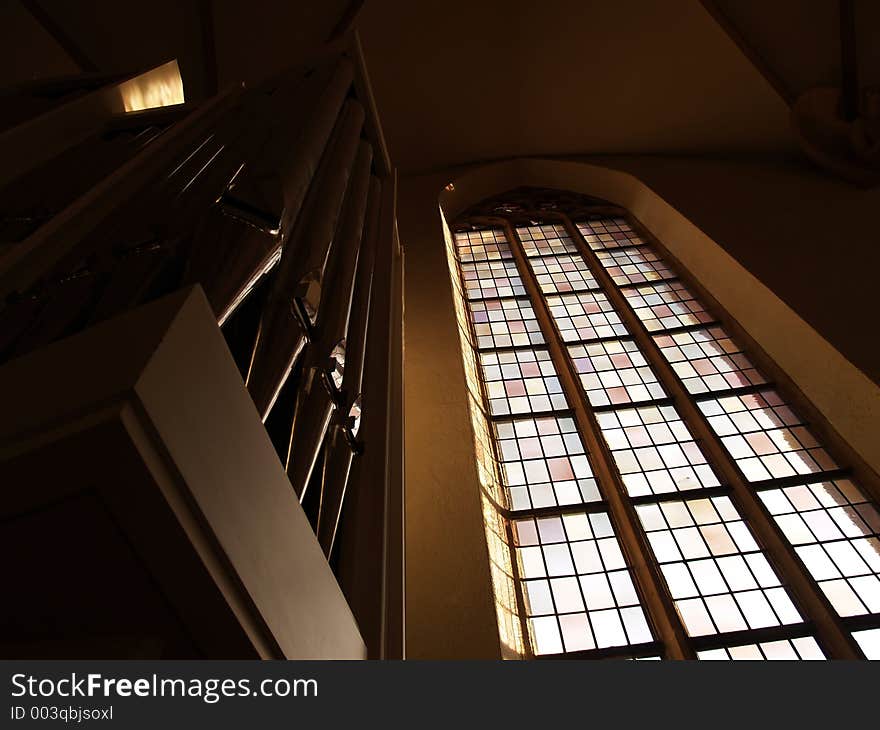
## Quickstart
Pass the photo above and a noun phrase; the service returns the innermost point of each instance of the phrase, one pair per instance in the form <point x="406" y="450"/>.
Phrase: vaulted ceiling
<point x="495" y="79"/>
<point x="466" y="80"/>
<point x="498" y="79"/>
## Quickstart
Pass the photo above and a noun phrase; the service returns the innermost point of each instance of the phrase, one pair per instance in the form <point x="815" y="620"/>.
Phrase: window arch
<point x="650" y="489"/>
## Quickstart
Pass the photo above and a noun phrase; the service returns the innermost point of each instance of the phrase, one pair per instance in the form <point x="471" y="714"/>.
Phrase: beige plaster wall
<point x="449" y="609"/>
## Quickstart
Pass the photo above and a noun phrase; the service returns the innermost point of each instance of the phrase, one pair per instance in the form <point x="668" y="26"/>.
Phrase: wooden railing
<point x="279" y="201"/>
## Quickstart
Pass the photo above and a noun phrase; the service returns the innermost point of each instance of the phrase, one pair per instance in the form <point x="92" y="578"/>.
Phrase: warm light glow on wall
<point x="500" y="565"/>
<point x="162" y="86"/>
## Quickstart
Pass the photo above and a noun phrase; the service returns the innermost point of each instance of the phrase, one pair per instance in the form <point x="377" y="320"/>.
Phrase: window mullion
<point x="868" y="479"/>
<point x="657" y="600"/>
<point x="828" y="626"/>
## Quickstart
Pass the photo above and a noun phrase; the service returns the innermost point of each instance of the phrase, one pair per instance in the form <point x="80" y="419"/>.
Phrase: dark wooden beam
<point x="346" y="20"/>
<point x="54" y="29"/>
<point x="757" y="60"/>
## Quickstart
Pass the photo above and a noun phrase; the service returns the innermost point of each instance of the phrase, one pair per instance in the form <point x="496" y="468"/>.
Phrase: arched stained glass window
<point x="657" y="493"/>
